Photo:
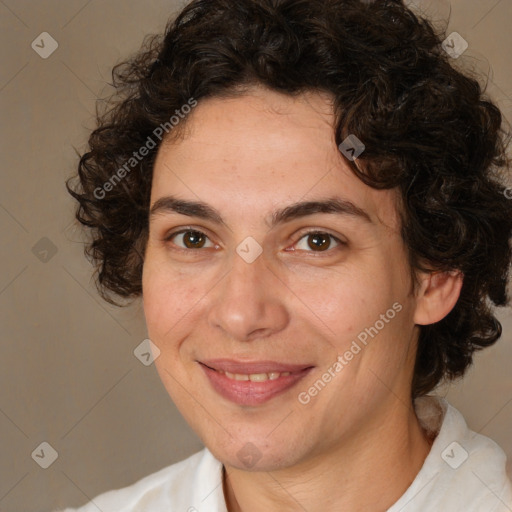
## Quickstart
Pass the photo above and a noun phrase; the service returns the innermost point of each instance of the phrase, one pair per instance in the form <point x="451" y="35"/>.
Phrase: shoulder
<point x="183" y="486"/>
<point x="463" y="471"/>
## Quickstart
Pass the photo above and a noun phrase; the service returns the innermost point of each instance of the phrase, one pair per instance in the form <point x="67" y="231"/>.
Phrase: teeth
<point x="256" y="377"/>
<point x="237" y="376"/>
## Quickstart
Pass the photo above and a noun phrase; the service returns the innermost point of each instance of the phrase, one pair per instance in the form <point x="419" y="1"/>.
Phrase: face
<point x="276" y="284"/>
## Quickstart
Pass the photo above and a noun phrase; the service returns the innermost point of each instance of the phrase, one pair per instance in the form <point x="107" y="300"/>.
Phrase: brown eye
<point x="317" y="242"/>
<point x="191" y="239"/>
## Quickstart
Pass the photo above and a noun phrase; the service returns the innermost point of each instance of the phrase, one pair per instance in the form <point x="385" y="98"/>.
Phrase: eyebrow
<point x="333" y="205"/>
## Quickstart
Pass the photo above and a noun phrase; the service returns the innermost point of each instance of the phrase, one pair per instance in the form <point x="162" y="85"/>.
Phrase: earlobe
<point x="437" y="296"/>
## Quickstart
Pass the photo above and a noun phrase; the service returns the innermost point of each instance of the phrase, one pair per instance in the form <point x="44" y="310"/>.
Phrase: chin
<point x="256" y="453"/>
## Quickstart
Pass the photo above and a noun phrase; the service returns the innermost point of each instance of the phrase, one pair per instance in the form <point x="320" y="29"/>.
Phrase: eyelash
<point x="340" y="243"/>
<point x="170" y="236"/>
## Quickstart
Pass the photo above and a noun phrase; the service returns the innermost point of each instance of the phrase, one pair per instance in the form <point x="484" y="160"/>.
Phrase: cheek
<point x="345" y="300"/>
<point x="350" y="305"/>
<point x="170" y="300"/>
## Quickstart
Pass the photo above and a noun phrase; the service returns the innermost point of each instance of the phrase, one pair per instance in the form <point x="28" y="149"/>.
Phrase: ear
<point x="437" y="295"/>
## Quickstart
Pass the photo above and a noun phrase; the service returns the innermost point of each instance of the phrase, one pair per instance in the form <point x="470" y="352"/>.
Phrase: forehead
<point x="261" y="151"/>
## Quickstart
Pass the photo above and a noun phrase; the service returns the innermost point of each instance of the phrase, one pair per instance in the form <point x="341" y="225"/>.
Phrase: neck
<point x="369" y="471"/>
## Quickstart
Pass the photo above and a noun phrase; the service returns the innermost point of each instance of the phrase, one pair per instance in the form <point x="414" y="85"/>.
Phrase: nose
<point x="249" y="302"/>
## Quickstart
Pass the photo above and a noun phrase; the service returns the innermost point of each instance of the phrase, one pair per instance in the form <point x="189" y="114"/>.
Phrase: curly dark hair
<point x="428" y="129"/>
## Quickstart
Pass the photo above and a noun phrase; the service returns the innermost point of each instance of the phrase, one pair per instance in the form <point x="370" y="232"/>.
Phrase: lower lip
<point x="246" y="392"/>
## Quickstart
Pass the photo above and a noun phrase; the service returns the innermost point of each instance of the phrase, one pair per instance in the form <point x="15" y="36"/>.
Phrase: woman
<point x="303" y="195"/>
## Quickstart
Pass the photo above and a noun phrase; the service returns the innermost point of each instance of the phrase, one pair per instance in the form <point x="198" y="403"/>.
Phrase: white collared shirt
<point x="464" y="472"/>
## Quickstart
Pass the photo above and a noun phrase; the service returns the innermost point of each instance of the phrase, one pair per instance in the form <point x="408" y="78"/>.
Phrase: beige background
<point x="68" y="374"/>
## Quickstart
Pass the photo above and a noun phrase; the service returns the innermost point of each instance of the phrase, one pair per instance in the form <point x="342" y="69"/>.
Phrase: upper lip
<point x="252" y="367"/>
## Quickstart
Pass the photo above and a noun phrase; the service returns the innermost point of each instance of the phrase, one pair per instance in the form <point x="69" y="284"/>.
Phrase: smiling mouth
<point x="253" y="386"/>
<point x="255" y="377"/>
